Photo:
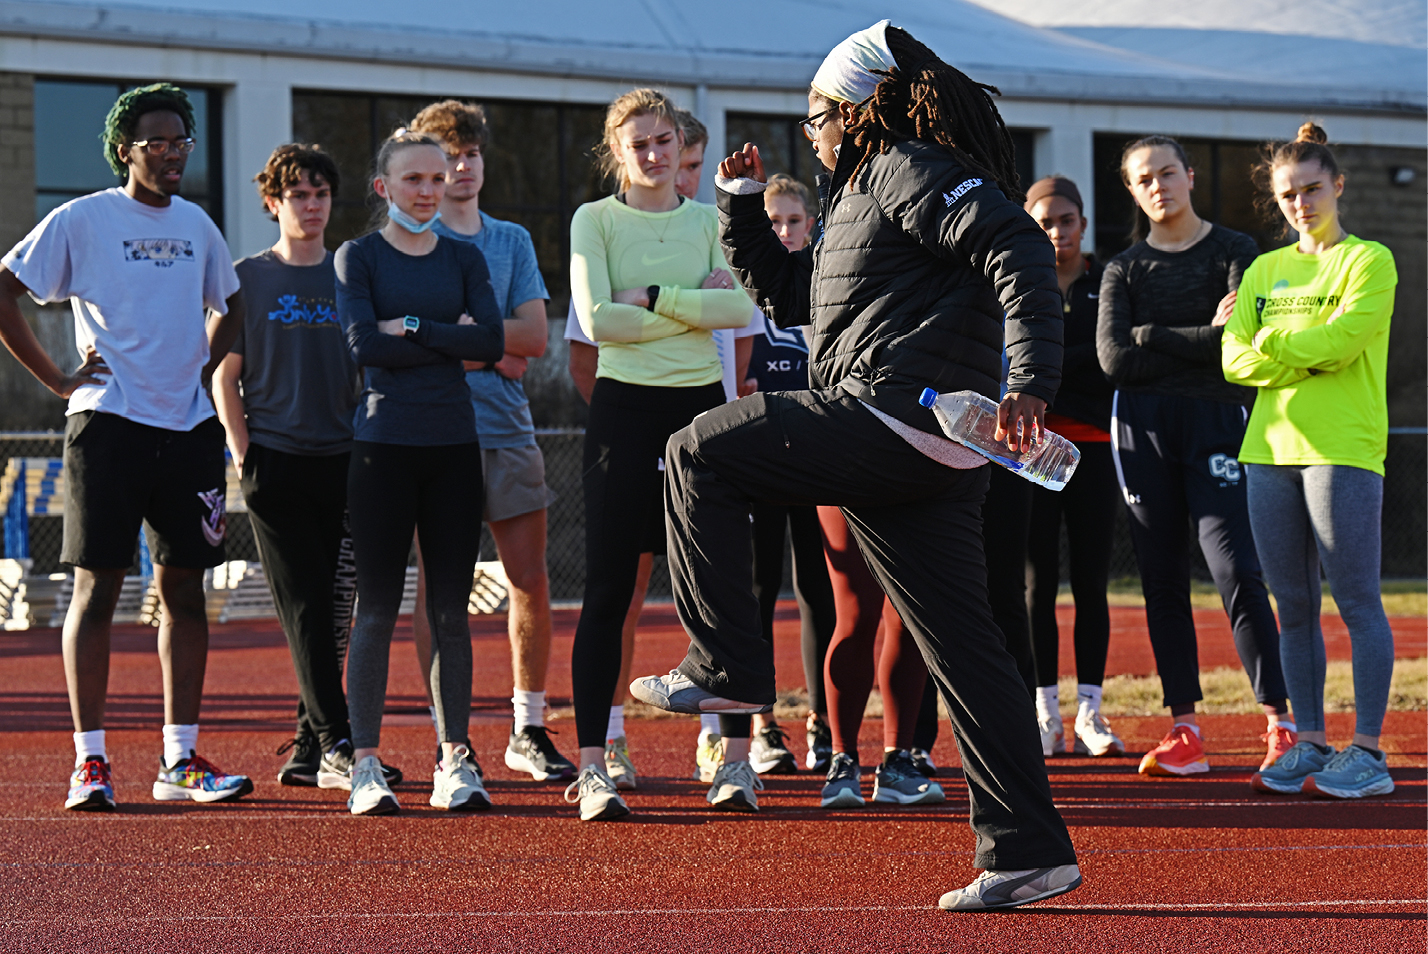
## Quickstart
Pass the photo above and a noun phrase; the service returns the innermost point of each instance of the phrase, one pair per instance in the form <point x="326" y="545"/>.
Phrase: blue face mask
<point x="407" y="222"/>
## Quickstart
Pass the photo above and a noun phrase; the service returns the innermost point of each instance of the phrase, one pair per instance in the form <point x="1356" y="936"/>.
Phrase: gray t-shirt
<point x="503" y="414"/>
<point x="299" y="381"/>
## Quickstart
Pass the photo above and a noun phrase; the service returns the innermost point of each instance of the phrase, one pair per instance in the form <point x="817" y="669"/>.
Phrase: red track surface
<point x="1170" y="865"/>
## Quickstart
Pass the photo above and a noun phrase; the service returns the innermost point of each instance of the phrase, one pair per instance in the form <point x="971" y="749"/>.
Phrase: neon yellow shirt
<point x="1311" y="332"/>
<point x="614" y="247"/>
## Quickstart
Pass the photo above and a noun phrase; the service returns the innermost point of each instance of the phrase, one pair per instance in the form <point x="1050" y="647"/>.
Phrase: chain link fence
<point x="1405" y="515"/>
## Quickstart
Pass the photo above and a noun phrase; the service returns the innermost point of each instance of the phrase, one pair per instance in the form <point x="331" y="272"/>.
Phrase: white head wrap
<point x="846" y="75"/>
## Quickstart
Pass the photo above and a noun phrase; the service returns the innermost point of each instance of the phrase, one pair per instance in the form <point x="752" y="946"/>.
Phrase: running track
<point x="1170" y="865"/>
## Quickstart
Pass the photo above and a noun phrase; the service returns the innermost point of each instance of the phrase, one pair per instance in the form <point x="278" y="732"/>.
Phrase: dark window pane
<point x="584" y="126"/>
<point x="342" y="125"/>
<point x="781" y="142"/>
<point x="195" y="175"/>
<point x="69" y="118"/>
<point x="1024" y="142"/>
<point x="523" y="157"/>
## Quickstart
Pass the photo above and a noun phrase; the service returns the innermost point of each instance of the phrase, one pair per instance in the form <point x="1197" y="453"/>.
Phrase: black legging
<point x="1088" y="504"/>
<point x="624" y="517"/>
<point x="392" y="490"/>
<point x="811" y="587"/>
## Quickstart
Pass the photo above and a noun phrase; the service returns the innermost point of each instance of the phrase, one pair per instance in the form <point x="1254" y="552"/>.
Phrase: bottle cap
<point x="929" y="397"/>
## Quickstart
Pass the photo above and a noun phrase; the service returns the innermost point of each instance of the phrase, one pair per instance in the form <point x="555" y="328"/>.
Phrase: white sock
<point x="708" y="725"/>
<point x="1282" y="723"/>
<point x="1048" y="706"/>
<point x="89" y="743"/>
<point x="1088" y="696"/>
<point x="179" y="743"/>
<point x="528" y="708"/>
<point x="436" y="728"/>
<point x="616" y="727"/>
<point x="1190" y="726"/>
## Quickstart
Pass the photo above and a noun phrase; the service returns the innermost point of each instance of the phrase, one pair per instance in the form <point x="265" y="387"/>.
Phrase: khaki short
<point x="515" y="481"/>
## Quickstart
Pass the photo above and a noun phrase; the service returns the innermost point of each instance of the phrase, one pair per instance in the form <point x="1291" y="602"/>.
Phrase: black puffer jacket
<point x="907" y="287"/>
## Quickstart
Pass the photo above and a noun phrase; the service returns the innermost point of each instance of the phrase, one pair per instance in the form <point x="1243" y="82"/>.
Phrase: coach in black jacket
<point x="921" y="255"/>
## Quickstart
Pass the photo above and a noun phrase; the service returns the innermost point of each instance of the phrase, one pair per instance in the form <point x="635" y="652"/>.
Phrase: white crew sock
<point x="1088" y="696"/>
<point x="1048" y="706"/>
<point x="89" y="743"/>
<point x="528" y="708"/>
<point x="708" y="725"/>
<point x="1190" y="726"/>
<point x="179" y="743"/>
<point x="616" y="726"/>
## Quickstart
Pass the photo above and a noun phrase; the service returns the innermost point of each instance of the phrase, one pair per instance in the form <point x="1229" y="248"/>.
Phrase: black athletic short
<point x="120" y="475"/>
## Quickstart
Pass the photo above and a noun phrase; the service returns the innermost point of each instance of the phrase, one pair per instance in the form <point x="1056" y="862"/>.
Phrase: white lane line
<point x="1278" y="803"/>
<point x="1234" y="905"/>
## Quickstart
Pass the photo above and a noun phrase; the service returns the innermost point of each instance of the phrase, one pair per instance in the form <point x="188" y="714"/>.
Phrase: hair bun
<point x="1312" y="132"/>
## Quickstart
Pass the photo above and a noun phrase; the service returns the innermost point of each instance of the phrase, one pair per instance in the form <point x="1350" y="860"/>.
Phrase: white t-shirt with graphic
<point x="139" y="279"/>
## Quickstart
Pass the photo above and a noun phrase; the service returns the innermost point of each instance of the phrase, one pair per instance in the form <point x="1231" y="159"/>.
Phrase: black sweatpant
<point x="393" y="490"/>
<point x="624" y="517"/>
<point x="1006" y="520"/>
<point x="811" y="586"/>
<point x="1175" y="460"/>
<point x="1088" y="505"/>
<point x="918" y="523"/>
<point x="298" y="508"/>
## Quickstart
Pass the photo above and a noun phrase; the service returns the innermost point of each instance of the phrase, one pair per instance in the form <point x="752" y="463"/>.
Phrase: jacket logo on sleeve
<point x="161" y="251"/>
<point x="960" y="191"/>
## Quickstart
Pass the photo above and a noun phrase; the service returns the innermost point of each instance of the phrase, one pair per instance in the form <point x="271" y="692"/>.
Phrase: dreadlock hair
<point x="124" y="115"/>
<point x="1311" y="144"/>
<point x="924" y="98"/>
<point x="286" y="166"/>
<point x="1140" y="222"/>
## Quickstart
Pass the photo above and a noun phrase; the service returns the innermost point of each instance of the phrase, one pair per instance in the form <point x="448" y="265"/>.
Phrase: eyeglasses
<point x="810" y="126"/>
<point x="161" y="147"/>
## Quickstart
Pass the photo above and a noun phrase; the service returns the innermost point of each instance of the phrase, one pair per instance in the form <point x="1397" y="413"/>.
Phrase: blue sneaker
<point x="899" y="782"/>
<point x="1286" y="776"/>
<point x="199" y="780"/>
<point x="90" y="788"/>
<point x="1353" y="773"/>
<point x="845" y="787"/>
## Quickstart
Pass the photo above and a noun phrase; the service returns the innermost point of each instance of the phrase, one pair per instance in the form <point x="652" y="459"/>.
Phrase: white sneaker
<point x="1053" y="736"/>
<point x="733" y="788"/>
<point x="596" y="795"/>
<point x="619" y="766"/>
<point x="1007" y="889"/>
<point x="370" y="793"/>
<point x="456" y="784"/>
<point x="1094" y="735"/>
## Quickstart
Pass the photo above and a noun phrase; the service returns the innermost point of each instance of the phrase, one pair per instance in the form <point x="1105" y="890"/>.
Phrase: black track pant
<point x="811" y="586"/>
<point x="1006" y="520"/>
<point x="298" y="508"/>
<point x="918" y="524"/>
<point x="624" y="517"/>
<point x="393" y="490"/>
<point x="1088" y="505"/>
<point x="1175" y="458"/>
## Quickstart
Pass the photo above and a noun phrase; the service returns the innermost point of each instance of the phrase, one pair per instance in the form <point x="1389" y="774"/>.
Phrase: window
<point x="69" y="161"/>
<point x="539" y="165"/>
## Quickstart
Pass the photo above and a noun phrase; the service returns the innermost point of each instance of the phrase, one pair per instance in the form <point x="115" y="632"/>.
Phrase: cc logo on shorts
<point x="1225" y="467"/>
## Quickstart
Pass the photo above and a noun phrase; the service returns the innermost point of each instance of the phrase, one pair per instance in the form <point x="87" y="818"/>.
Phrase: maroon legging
<point x="848" y="668"/>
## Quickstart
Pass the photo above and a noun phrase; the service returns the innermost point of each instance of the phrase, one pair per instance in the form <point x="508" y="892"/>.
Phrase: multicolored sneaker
<point x="90" y="788"/>
<point x="197" y="779"/>
<point x="1279" y="740"/>
<point x="708" y="756"/>
<point x="618" y="764"/>
<point x="1353" y="773"/>
<point x="1180" y="753"/>
<point x="1286" y="776"/>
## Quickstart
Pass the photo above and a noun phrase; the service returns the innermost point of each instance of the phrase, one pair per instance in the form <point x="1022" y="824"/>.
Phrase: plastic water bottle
<point x="970" y="419"/>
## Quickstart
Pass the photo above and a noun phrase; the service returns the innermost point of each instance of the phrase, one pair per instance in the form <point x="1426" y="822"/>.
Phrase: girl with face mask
<point x="414" y="306"/>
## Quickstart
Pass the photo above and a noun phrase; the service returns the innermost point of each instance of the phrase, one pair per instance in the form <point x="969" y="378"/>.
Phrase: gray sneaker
<point x="370" y="793"/>
<point x="733" y="788"/>
<point x="596" y="795"/>
<point x="676" y="693"/>
<point x="844" y="788"/>
<point x="1286" y="776"/>
<point x="898" y="782"/>
<point x="1007" y="889"/>
<point x="1353" y="773"/>
<point x="456" y="784"/>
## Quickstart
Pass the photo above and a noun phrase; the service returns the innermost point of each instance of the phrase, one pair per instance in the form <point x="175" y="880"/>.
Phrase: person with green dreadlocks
<point x="926" y="272"/>
<point x="141" y="269"/>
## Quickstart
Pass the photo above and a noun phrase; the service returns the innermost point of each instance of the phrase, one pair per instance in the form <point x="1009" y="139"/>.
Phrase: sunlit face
<point x="791" y="222"/>
<point x="465" y="171"/>
<point x="647" y="148"/>
<point x="162" y="173"/>
<point x="1159" y="182"/>
<point x="691" y="167"/>
<point x="303" y="209"/>
<point x="415" y="181"/>
<point x="1307" y="195"/>
<point x="830" y="129"/>
<point x="1063" y="223"/>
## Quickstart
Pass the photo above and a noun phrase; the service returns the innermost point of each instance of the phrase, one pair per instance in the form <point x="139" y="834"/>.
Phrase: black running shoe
<point x="531" y="751"/>
<point x="820" y="747"/>
<point x="300" y="770"/>
<point x="769" y="754"/>
<point x="923" y="760"/>
<point x="335" y="769"/>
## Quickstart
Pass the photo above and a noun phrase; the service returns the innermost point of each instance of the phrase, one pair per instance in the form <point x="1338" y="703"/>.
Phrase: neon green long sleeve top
<point x="614" y="247"/>
<point x="1311" y="332"/>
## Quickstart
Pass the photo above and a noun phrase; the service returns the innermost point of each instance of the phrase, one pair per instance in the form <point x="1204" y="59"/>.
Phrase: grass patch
<point x="1400" y="597"/>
